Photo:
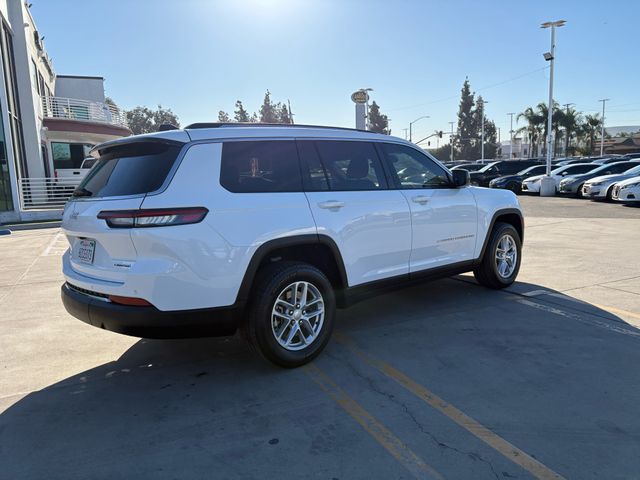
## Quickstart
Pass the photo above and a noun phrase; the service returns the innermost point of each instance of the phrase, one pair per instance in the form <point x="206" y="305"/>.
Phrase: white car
<point x="601" y="188"/>
<point x="268" y="228"/>
<point x="627" y="191"/>
<point x="532" y="184"/>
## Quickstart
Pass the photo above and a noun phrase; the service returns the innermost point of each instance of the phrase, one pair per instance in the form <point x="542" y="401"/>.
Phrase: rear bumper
<point x="149" y="322"/>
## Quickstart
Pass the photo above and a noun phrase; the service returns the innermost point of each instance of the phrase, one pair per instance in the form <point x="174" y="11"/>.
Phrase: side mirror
<point x="460" y="177"/>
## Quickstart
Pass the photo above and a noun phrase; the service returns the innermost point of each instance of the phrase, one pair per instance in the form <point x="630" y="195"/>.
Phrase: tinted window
<point x="129" y="170"/>
<point x="537" y="170"/>
<point x="621" y="167"/>
<point x="414" y="169"/>
<point x="576" y="169"/>
<point x="315" y="178"/>
<point x="350" y="165"/>
<point x="512" y="167"/>
<point x="264" y="166"/>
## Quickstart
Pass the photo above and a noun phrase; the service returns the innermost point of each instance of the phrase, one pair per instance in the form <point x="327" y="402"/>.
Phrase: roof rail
<point x="256" y="124"/>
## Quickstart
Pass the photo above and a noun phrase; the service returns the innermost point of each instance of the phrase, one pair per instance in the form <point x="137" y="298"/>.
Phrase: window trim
<point x="385" y="183"/>
<point x="395" y="180"/>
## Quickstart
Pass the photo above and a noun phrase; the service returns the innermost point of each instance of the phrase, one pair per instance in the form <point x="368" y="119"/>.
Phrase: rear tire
<point x="291" y="313"/>
<point x="609" y="194"/>
<point x="501" y="260"/>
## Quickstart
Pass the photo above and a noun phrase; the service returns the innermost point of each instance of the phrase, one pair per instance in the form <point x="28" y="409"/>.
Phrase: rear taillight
<point x="160" y="217"/>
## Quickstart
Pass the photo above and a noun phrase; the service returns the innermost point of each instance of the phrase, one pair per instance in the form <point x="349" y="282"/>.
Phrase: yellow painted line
<point x="498" y="443"/>
<point x="617" y="310"/>
<point x="400" y="451"/>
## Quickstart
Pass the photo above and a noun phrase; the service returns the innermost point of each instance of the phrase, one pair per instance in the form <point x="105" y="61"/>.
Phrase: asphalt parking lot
<point x="443" y="380"/>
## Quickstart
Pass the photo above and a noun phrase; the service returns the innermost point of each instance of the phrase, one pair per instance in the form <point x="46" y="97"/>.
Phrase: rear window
<point x="130" y="169"/>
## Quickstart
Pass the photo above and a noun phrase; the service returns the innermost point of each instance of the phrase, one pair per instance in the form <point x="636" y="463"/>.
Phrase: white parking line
<point x="573" y="316"/>
<point x="56" y="246"/>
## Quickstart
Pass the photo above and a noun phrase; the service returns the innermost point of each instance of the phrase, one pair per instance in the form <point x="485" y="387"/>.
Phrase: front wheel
<point x="501" y="260"/>
<point x="291" y="315"/>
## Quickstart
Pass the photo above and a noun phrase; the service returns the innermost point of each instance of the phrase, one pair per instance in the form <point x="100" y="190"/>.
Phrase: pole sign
<point x="360" y="97"/>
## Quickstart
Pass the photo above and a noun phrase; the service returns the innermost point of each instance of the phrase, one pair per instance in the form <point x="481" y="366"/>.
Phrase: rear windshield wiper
<point x="81" y="192"/>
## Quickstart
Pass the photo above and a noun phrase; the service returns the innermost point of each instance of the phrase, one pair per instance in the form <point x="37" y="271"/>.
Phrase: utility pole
<point x="451" y="140"/>
<point x="547" y="184"/>
<point x="566" y="131"/>
<point x="482" y="129"/>
<point x="290" y="114"/>
<point x="511" y="114"/>
<point x="604" y="100"/>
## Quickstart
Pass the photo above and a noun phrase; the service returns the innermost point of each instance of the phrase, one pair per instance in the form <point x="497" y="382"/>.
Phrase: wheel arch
<point x="320" y="251"/>
<point x="512" y="216"/>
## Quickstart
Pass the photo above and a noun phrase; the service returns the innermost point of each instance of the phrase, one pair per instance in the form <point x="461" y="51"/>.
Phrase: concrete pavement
<point x="443" y="380"/>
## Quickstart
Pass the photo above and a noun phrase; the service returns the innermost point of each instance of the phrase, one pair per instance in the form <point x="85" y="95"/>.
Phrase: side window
<point x="261" y="166"/>
<point x="350" y="165"/>
<point x="414" y="169"/>
<point x="314" y="174"/>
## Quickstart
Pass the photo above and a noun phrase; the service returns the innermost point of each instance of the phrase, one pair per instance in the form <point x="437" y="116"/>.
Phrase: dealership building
<point x="48" y="122"/>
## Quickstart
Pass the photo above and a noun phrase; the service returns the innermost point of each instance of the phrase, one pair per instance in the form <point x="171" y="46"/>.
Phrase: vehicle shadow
<point x="210" y="408"/>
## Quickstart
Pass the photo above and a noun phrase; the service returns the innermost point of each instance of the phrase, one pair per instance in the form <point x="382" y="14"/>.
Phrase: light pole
<point x="451" y="139"/>
<point x="411" y="125"/>
<point x="547" y="185"/>
<point x="604" y="100"/>
<point x="511" y="114"/>
<point x="405" y="132"/>
<point x="482" y="129"/>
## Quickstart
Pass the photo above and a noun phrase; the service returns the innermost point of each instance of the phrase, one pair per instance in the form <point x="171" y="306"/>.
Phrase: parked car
<point x="532" y="184"/>
<point x="601" y="188"/>
<point x="612" y="159"/>
<point x="469" y="167"/>
<point x="572" y="161"/>
<point x="627" y="191"/>
<point x="497" y="169"/>
<point x="268" y="228"/>
<point x="72" y="176"/>
<point x="572" y="185"/>
<point x="514" y="182"/>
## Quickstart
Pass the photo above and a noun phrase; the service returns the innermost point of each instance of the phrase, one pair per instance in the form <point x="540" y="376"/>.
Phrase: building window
<point x="6" y="200"/>
<point x="69" y="155"/>
<point x="34" y="76"/>
<point x="13" y="104"/>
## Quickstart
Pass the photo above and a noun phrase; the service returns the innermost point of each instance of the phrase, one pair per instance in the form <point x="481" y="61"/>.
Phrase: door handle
<point x="421" y="199"/>
<point x="331" y="204"/>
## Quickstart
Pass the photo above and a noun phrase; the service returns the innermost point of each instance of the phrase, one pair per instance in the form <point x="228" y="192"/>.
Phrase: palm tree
<point x="592" y="123"/>
<point x="570" y="121"/>
<point x="532" y="128"/>
<point x="543" y="112"/>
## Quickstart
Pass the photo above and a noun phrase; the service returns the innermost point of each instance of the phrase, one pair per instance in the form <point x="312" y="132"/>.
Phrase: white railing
<point x="77" y="109"/>
<point x="46" y="193"/>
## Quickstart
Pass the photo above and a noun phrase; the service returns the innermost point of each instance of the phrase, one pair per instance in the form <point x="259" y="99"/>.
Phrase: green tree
<point x="240" y="114"/>
<point x="592" y="125"/>
<point x="283" y="113"/>
<point x="570" y="121"/>
<point x="146" y="120"/>
<point x="268" y="111"/>
<point x="531" y="129"/>
<point x="466" y="131"/>
<point x="378" y="122"/>
<point x="224" y="117"/>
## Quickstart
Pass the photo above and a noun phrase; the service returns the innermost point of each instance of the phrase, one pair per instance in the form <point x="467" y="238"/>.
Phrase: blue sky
<point x="199" y="56"/>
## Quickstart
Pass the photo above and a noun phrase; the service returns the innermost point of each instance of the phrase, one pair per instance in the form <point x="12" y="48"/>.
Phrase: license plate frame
<point x="86" y="250"/>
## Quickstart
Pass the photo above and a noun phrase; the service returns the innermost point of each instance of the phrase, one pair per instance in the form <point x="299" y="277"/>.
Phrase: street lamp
<point x="547" y="185"/>
<point x="604" y="100"/>
<point x="411" y="125"/>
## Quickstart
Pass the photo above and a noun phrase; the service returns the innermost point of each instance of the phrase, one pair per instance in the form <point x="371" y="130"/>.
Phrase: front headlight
<point x="595" y="184"/>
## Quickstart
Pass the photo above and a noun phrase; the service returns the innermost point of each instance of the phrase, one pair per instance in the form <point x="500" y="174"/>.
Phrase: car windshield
<point x="487" y="168"/>
<point x="633" y="171"/>
<point x="534" y="170"/>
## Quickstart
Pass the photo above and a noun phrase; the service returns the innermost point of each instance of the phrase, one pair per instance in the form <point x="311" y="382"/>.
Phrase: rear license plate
<point x="86" y="250"/>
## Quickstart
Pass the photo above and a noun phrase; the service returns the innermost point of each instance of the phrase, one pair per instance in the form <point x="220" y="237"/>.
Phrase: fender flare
<point x="498" y="213"/>
<point x="270" y="246"/>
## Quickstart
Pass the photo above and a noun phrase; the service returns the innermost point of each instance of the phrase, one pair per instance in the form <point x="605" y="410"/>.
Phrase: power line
<point x="476" y="90"/>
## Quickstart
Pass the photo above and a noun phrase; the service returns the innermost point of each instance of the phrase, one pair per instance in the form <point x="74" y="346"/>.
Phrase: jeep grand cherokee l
<point x="268" y="229"/>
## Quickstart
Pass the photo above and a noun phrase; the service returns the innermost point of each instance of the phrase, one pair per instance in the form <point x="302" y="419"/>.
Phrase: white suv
<point x="268" y="229"/>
